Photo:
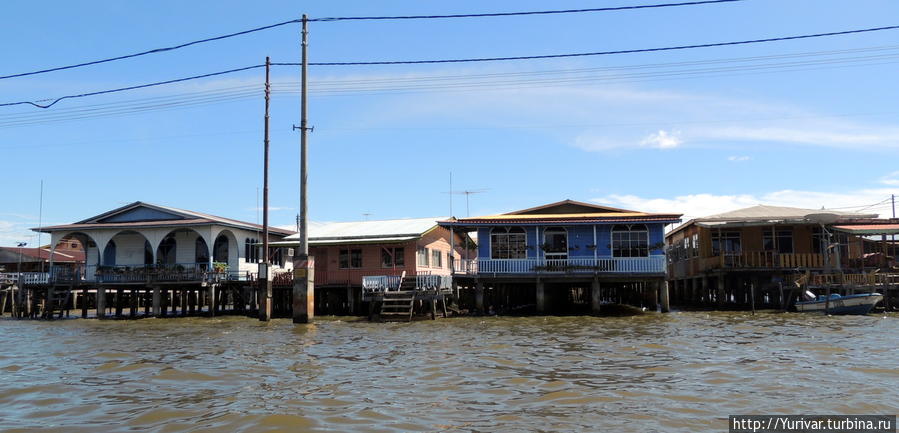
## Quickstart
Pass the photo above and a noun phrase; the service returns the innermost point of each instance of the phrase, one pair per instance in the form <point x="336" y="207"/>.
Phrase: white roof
<point x="764" y="212"/>
<point x="377" y="229"/>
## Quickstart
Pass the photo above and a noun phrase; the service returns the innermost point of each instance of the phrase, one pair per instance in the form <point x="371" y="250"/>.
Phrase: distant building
<point x="565" y="255"/>
<point x="714" y="259"/>
<point x="37" y="259"/>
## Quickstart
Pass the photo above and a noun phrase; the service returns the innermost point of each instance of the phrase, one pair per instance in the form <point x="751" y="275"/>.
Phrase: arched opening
<point x="630" y="240"/>
<point x="148" y="253"/>
<point x="220" y="249"/>
<point x="109" y="254"/>
<point x="555" y="243"/>
<point x="201" y="251"/>
<point x="165" y="254"/>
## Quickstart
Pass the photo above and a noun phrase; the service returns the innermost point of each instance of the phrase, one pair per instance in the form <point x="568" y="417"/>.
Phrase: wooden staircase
<point x="398" y="305"/>
<point x="57" y="303"/>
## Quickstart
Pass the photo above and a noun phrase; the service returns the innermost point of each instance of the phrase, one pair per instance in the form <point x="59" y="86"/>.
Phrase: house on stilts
<point x="563" y="257"/>
<point x="154" y="260"/>
<point x="767" y="256"/>
<point x="380" y="267"/>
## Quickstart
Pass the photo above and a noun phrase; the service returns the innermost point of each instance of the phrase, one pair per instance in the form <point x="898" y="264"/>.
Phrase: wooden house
<point x="722" y="259"/>
<point x="562" y="255"/>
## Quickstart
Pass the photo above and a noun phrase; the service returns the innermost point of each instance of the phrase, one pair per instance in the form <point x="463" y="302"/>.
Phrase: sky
<point x="807" y="123"/>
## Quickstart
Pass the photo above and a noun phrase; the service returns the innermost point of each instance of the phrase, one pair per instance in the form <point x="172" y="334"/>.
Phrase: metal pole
<point x="265" y="312"/>
<point x="40" y="217"/>
<point x="304" y="265"/>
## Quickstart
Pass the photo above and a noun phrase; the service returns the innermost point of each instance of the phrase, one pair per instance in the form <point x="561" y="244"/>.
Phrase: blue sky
<point x="694" y="131"/>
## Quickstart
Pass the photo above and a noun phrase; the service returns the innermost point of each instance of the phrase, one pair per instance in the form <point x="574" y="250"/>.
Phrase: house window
<point x="784" y="240"/>
<point x="251" y="250"/>
<point x="728" y="241"/>
<point x="449" y="260"/>
<point x="631" y="240"/>
<point x="555" y="243"/>
<point x="436" y="259"/>
<point x="391" y="257"/>
<point x="421" y="256"/>
<point x="508" y="243"/>
<point x="350" y="259"/>
<point x="694" y="240"/>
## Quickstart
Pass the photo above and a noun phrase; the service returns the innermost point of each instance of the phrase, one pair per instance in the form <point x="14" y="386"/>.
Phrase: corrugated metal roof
<point x="414" y="227"/>
<point x="777" y="212"/>
<point x="762" y="214"/>
<point x="869" y="229"/>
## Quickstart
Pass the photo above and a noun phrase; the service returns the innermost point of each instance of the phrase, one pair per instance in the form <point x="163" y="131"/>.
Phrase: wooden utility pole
<point x="265" y="309"/>
<point x="303" y="264"/>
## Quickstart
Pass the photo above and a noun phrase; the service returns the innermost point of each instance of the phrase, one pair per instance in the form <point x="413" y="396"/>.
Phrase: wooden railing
<point x="179" y="272"/>
<point x="763" y="259"/>
<point x="634" y="265"/>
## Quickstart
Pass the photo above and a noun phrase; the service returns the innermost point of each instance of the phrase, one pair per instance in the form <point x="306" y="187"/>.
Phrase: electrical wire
<point x="506" y="14"/>
<point x="153" y="51"/>
<point x="596" y="53"/>
<point x="122" y="89"/>
<point x="467" y="82"/>
<point x="333" y="19"/>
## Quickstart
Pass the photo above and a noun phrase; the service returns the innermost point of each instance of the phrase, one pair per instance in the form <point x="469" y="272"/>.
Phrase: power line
<point x="596" y="53"/>
<point x="507" y="14"/>
<point x="122" y="89"/>
<point x="333" y="19"/>
<point x="153" y="51"/>
<point x="54" y="101"/>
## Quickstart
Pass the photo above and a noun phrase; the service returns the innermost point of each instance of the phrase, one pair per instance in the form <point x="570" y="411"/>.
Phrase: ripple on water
<point x="678" y="372"/>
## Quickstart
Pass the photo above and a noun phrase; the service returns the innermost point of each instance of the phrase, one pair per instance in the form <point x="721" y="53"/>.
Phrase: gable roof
<point x="566" y="212"/>
<point x="568" y="206"/>
<point x="142" y="214"/>
<point x="763" y="214"/>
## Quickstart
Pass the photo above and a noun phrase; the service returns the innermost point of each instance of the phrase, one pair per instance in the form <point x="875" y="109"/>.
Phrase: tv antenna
<point x="468" y="193"/>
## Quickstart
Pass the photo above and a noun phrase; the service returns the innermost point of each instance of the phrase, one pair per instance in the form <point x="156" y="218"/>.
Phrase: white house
<point x="161" y="237"/>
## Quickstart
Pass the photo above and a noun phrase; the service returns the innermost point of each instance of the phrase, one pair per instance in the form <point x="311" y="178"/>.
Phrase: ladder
<point x="398" y="305"/>
<point x="57" y="302"/>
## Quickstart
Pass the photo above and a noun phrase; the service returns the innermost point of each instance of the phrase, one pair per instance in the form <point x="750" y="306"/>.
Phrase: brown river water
<point x="674" y="372"/>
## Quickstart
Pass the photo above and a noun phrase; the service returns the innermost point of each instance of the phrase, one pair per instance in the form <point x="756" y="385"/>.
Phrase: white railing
<point x="381" y="283"/>
<point x="35" y="277"/>
<point x="618" y="265"/>
<point x="432" y="282"/>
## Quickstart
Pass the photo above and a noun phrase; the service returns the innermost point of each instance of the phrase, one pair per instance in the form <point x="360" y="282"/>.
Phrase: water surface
<point x="674" y="372"/>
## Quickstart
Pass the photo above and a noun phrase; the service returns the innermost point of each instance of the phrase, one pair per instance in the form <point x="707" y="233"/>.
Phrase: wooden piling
<point x="595" y="296"/>
<point x="101" y="302"/>
<point x="541" y="296"/>
<point x="663" y="296"/>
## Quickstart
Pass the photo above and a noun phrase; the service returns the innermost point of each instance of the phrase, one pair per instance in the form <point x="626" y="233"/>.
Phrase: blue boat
<point x="860" y="304"/>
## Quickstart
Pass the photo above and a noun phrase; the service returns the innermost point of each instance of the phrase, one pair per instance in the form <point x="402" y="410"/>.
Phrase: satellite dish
<point x="823" y="218"/>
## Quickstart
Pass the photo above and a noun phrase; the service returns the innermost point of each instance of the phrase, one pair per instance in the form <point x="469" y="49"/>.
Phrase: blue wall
<point x="578" y="236"/>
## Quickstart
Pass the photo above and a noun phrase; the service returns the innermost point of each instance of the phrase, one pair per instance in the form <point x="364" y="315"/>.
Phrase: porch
<point x="200" y="273"/>
<point x="654" y="264"/>
<point x="763" y="260"/>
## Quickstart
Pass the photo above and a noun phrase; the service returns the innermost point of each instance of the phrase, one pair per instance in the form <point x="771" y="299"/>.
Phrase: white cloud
<point x="891" y="179"/>
<point x="615" y="117"/>
<point x="662" y="140"/>
<point x="704" y="204"/>
<point x="739" y="158"/>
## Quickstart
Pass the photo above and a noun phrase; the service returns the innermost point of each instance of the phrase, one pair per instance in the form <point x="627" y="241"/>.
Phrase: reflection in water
<point x="676" y="372"/>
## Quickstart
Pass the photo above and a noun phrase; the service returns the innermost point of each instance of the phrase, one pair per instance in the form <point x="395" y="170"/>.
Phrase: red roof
<point x="37" y="254"/>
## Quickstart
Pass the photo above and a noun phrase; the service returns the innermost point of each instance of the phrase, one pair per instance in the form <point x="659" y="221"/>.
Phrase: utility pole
<point x="265" y="309"/>
<point x="303" y="264"/>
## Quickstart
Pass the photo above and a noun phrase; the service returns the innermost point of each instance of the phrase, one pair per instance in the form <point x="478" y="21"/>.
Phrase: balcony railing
<point x="764" y="259"/>
<point x="386" y="283"/>
<point x="178" y="272"/>
<point x="619" y="265"/>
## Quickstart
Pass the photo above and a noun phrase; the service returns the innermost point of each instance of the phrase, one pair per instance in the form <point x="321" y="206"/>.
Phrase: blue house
<point x="559" y="256"/>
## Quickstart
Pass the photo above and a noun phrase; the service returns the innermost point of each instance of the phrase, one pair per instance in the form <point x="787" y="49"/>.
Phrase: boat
<point x="860" y="304"/>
